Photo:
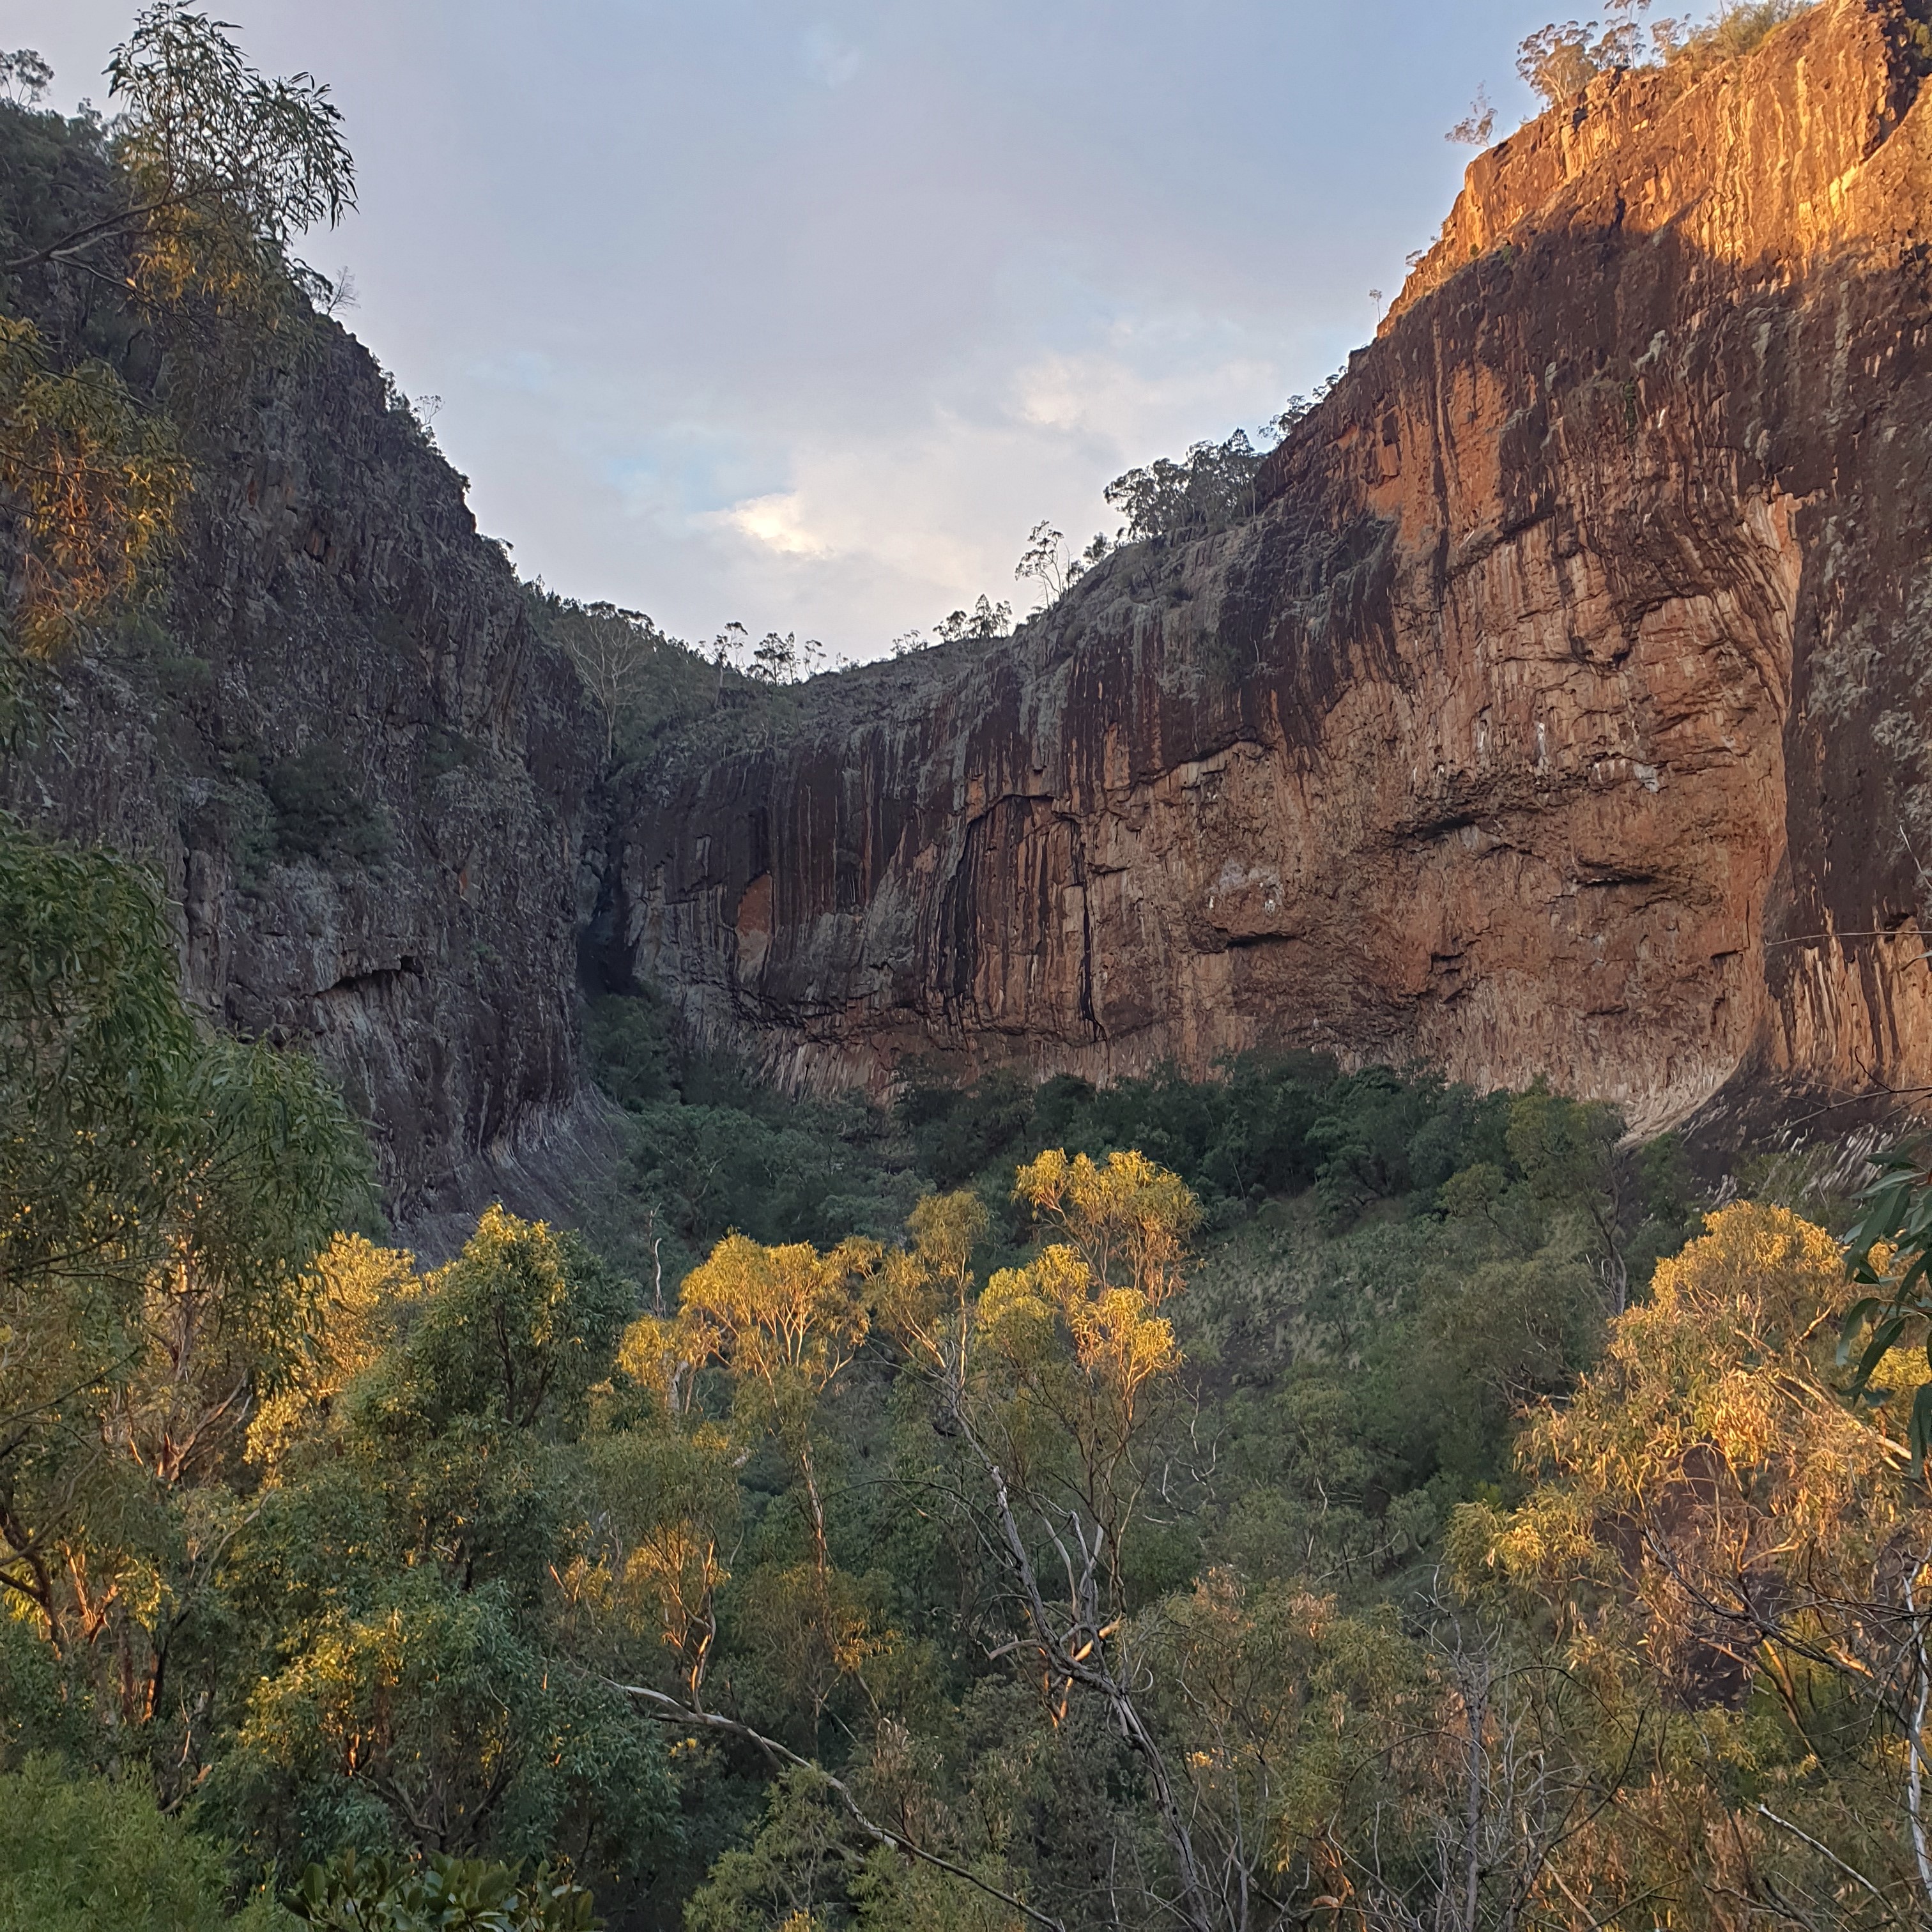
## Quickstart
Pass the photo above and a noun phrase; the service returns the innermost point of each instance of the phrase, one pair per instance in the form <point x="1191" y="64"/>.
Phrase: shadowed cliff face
<point x="359" y="776"/>
<point x="1563" y="712"/>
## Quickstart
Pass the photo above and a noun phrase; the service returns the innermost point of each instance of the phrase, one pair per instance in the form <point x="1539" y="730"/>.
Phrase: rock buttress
<point x="1561" y="712"/>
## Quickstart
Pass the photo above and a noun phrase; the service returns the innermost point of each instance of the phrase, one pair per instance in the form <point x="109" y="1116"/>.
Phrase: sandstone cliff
<point x="358" y="773"/>
<point x="1563" y="711"/>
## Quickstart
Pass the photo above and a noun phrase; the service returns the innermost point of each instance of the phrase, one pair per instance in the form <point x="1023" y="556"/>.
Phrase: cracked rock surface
<point x="1563" y="710"/>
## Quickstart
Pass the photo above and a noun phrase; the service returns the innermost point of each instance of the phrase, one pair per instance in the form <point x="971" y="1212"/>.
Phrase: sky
<point x="801" y="313"/>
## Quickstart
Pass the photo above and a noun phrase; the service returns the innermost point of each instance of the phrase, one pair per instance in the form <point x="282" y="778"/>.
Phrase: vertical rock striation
<point x="359" y="774"/>
<point x="1563" y="711"/>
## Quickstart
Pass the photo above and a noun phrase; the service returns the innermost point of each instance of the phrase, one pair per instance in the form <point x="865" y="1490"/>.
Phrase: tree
<point x="1212" y="487"/>
<point x="82" y="1853"/>
<point x="1046" y="560"/>
<point x="1070" y="1361"/>
<point x="1567" y="1150"/>
<point x="519" y="1326"/>
<point x="927" y="1290"/>
<point x="219" y="170"/>
<point x="439" y="1719"/>
<point x="161" y="1197"/>
<point x="25" y="75"/>
<point x="786" y="1322"/>
<point x="985" y="621"/>
<point x="97" y="1045"/>
<point x="1558" y="60"/>
<point x="419" y="1574"/>
<point x="613" y="650"/>
<point x="223" y="168"/>
<point x="95" y="481"/>
<point x="730" y="644"/>
<point x="1280" y="1709"/>
<point x="1476" y="126"/>
<point x="1717" y="1535"/>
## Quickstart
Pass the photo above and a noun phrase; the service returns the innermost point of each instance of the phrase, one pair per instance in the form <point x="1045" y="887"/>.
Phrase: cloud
<point x="1101" y="394"/>
<point x="884" y="524"/>
<point x="803" y="312"/>
<point x="526" y="371"/>
<point x="777" y="521"/>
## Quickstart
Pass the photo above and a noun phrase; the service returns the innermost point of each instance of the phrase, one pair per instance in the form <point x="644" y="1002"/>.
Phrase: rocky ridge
<point x="360" y="774"/>
<point x="1562" y="711"/>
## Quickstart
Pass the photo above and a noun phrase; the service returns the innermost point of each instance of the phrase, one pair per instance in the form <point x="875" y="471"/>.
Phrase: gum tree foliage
<point x="215" y="172"/>
<point x="79" y="1854"/>
<point x="1560" y="60"/>
<point x="161" y="1193"/>
<point x="1476" y="126"/>
<point x="223" y="168"/>
<point x="1048" y="562"/>
<point x="1736" y="1566"/>
<point x="986" y="620"/>
<point x="1212" y="488"/>
<point x="284" y="1530"/>
<point x="613" y="650"/>
<point x="95" y="484"/>
<point x="431" y="1498"/>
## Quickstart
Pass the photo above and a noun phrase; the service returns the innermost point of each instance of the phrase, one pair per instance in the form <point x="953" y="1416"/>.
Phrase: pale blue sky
<point x="801" y="312"/>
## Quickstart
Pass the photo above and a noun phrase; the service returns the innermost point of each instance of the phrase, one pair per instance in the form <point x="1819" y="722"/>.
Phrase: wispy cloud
<point x="777" y="522"/>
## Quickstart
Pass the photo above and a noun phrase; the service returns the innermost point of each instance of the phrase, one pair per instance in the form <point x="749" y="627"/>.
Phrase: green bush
<point x="320" y="813"/>
<point x="84" y="1855"/>
<point x="34" y="1714"/>
<point x="956" y="1131"/>
<point x="1234" y="1139"/>
<point x="1741" y="27"/>
<point x="627" y="1038"/>
<point x="440" y="1895"/>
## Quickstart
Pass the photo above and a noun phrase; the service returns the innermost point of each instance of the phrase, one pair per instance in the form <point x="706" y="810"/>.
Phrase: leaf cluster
<point x="439" y="1894"/>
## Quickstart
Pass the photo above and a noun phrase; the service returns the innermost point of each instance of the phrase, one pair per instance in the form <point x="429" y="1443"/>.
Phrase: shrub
<point x="957" y="1131"/>
<point x="1740" y="27"/>
<point x="441" y="1895"/>
<point x="1213" y="487"/>
<point x="627" y="1038"/>
<point x="79" y="1855"/>
<point x="319" y="813"/>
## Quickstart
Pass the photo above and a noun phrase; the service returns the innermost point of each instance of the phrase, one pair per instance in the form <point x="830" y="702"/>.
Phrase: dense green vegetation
<point x="1027" y="1503"/>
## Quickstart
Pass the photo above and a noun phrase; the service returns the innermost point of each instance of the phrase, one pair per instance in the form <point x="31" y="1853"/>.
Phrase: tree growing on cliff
<point x="217" y="171"/>
<point x="96" y="482"/>
<point x="1047" y="561"/>
<point x="780" y="657"/>
<point x="1476" y="126"/>
<point x="613" y="649"/>
<point x="986" y="620"/>
<point x="1212" y="487"/>
<point x="222" y="169"/>
<point x="1557" y="61"/>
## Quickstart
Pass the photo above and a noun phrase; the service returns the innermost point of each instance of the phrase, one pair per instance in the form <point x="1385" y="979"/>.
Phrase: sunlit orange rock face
<point x="1563" y="712"/>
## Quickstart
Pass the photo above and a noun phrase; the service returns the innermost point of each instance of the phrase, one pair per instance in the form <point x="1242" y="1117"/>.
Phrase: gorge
<point x="1259" y="1256"/>
<point x="1559" y="711"/>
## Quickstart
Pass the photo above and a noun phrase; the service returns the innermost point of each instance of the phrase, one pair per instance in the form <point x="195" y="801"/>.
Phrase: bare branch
<point x="669" y="1710"/>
